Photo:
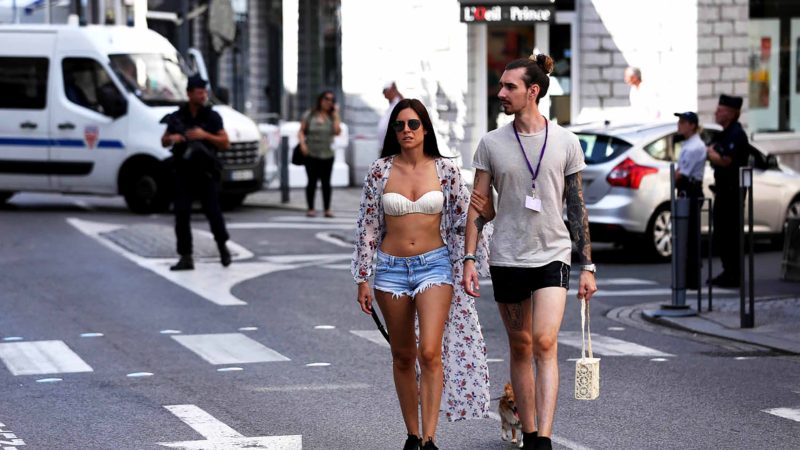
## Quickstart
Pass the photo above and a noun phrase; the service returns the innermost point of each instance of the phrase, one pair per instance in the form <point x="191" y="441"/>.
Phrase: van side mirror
<point x="112" y="101"/>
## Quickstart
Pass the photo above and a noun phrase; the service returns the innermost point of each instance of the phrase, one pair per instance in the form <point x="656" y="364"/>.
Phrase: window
<point x="87" y="84"/>
<point x="659" y="149"/>
<point x="23" y="82"/>
<point x="598" y="149"/>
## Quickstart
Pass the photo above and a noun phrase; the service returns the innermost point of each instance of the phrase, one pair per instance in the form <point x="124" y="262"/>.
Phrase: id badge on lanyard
<point x="531" y="201"/>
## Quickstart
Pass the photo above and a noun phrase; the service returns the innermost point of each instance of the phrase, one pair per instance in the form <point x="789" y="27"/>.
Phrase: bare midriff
<point x="412" y="234"/>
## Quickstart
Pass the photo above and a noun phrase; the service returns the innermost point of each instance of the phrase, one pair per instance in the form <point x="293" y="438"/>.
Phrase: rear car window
<point x="598" y="148"/>
<point x="23" y="82"/>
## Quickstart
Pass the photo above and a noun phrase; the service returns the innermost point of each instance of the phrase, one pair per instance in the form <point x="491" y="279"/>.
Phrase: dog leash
<point x="380" y="325"/>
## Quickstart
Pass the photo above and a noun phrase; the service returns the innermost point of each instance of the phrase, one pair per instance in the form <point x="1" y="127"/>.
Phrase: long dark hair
<point x="391" y="146"/>
<point x="318" y="105"/>
<point x="537" y="68"/>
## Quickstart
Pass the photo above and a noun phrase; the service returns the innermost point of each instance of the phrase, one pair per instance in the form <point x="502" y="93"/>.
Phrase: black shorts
<point x="515" y="284"/>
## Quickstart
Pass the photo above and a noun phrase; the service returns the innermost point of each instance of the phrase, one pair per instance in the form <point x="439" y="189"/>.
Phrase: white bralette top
<point x="395" y="204"/>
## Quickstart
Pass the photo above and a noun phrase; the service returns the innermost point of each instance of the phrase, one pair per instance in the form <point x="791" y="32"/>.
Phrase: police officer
<point x="727" y="154"/>
<point x="195" y="133"/>
<point x="689" y="182"/>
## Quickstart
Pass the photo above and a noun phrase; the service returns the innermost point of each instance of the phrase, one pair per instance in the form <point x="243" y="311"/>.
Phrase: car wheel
<point x="793" y="211"/>
<point x="659" y="233"/>
<point x="145" y="190"/>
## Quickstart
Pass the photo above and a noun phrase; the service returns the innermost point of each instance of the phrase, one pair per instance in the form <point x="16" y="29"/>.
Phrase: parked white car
<point x="627" y="185"/>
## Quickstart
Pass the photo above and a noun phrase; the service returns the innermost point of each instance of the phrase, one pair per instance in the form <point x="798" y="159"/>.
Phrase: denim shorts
<point x="413" y="274"/>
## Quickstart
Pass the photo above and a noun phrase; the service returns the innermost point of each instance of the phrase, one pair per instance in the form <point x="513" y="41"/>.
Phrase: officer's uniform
<point x="691" y="166"/>
<point x="731" y="142"/>
<point x="195" y="177"/>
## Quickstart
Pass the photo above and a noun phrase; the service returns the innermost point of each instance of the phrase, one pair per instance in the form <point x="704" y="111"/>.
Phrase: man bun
<point x="544" y="62"/>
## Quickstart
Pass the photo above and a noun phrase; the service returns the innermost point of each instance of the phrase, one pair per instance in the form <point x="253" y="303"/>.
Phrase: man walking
<point x="727" y="154"/>
<point x="195" y="133"/>
<point x="534" y="165"/>
<point x="644" y="102"/>
<point x="393" y="96"/>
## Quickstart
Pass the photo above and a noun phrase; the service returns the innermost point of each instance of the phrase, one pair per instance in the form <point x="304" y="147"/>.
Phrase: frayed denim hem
<point x="429" y="284"/>
<point x="395" y="294"/>
<point x="421" y="288"/>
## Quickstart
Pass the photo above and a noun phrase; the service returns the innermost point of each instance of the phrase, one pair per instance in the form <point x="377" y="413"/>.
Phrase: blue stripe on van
<point x="31" y="142"/>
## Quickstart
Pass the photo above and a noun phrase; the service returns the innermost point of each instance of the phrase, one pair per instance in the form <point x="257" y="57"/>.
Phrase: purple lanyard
<point x="534" y="174"/>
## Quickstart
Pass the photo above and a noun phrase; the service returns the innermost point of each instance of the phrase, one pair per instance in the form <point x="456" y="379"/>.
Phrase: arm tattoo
<point x="512" y="313"/>
<point x="480" y="222"/>
<point x="577" y="217"/>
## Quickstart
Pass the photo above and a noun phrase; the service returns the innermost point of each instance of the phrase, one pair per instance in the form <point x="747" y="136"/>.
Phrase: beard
<point x="508" y="109"/>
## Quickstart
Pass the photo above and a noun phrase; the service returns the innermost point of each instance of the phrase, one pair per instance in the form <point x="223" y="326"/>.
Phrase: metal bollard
<point x="680" y="250"/>
<point x="747" y="316"/>
<point x="284" y="169"/>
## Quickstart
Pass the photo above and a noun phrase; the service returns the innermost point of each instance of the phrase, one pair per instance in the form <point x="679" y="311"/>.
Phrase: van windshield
<point x="157" y="79"/>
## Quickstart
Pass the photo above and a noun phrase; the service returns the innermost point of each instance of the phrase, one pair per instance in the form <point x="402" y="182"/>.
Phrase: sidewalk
<point x="777" y="322"/>
<point x="344" y="200"/>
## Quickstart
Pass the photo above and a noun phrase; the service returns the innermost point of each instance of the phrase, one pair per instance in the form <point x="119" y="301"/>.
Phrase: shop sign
<point x="506" y="14"/>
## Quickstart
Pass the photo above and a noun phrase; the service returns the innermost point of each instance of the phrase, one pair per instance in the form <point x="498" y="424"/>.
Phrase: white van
<point x="80" y="108"/>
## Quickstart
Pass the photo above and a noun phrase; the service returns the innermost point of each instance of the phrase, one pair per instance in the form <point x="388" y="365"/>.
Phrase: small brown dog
<point x="511" y="427"/>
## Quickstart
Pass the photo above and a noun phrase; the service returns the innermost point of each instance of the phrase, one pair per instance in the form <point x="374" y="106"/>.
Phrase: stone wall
<point x="722" y="53"/>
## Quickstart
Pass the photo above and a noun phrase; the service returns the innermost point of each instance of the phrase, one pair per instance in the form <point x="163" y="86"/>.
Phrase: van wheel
<point x="4" y="196"/>
<point x="658" y="238"/>
<point x="145" y="191"/>
<point x="231" y="201"/>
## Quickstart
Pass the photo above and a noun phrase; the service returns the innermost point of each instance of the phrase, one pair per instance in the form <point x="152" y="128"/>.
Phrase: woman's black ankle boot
<point x="429" y="445"/>
<point x="413" y="442"/>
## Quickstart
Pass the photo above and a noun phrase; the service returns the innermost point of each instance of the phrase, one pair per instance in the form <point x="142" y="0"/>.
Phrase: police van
<point x="80" y="112"/>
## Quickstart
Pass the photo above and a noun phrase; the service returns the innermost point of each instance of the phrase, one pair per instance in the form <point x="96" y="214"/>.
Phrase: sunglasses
<point x="400" y="125"/>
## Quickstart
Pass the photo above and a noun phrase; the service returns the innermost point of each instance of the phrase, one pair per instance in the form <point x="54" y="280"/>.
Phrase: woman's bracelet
<point x="469" y="257"/>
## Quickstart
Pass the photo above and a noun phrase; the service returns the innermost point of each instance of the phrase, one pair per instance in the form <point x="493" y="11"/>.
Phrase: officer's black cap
<point x="688" y="116"/>
<point x="730" y="101"/>
<point x="195" y="81"/>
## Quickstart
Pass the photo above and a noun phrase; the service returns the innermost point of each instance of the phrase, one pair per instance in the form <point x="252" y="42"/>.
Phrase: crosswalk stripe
<point x="289" y="226"/>
<point x="786" y="413"/>
<point x="372" y="336"/>
<point x="303" y="219"/>
<point x="228" y="348"/>
<point x="608" y="346"/>
<point x="41" y="357"/>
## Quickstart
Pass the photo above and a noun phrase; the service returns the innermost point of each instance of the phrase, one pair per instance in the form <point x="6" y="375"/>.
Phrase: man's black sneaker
<point x="529" y="439"/>
<point x="429" y="445"/>
<point x="543" y="443"/>
<point x="224" y="255"/>
<point x="412" y="443"/>
<point x="185" y="263"/>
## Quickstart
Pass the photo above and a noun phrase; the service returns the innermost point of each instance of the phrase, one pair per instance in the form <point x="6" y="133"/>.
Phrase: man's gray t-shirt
<point x="522" y="237"/>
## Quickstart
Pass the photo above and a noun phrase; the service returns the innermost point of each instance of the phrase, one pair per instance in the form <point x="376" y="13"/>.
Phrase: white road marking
<point x="139" y="375"/>
<point x="12" y="338"/>
<point x="248" y="328"/>
<point x="228" y="348"/>
<point x="218" y="435"/>
<point x="493" y="360"/>
<point x="616" y="328"/>
<point x="289" y="226"/>
<point x="307" y="259"/>
<point x="229" y="369"/>
<point x="743" y="358"/>
<point x="170" y="331"/>
<point x="659" y="359"/>
<point x="91" y="334"/>
<point x="336" y="266"/>
<point x="372" y="336"/>
<point x="557" y="439"/>
<point x="786" y="413"/>
<point x="608" y="346"/>
<point x="324" y="327"/>
<point x="319" y="364"/>
<point x="9" y="438"/>
<point x="209" y="280"/>
<point x="331" y="239"/>
<point x="41" y="357"/>
<point x="49" y="380"/>
<point x="304" y="219"/>
<point x="313" y="387"/>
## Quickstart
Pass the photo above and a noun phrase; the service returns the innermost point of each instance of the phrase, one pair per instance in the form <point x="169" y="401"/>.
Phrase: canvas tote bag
<point x="587" y="370"/>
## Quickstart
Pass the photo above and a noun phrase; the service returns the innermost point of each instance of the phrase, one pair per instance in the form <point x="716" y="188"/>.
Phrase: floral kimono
<point x="466" y="375"/>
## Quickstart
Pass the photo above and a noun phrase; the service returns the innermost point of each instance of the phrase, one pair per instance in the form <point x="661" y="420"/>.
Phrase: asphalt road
<point x="104" y="348"/>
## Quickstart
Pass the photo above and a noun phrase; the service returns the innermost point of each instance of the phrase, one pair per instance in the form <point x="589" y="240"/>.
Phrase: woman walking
<point x="317" y="129"/>
<point x="413" y="212"/>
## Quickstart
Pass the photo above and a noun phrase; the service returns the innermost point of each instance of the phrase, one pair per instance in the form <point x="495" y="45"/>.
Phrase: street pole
<point x="284" y="169"/>
<point x="746" y="317"/>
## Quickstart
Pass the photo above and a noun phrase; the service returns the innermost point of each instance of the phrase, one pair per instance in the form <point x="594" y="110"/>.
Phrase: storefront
<point x="500" y="31"/>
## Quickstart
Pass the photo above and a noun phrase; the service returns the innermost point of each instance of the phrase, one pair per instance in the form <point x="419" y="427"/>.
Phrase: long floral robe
<point x="466" y="375"/>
